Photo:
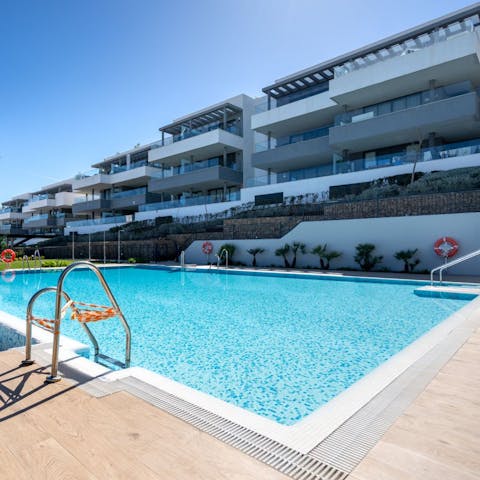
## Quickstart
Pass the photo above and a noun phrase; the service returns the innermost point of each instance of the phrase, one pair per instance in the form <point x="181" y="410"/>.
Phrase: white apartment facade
<point x="410" y="99"/>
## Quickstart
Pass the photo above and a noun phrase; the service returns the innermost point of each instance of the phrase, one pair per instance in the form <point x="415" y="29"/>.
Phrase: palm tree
<point x="365" y="257"/>
<point x="325" y="256"/>
<point x="283" y="252"/>
<point x="254" y="252"/>
<point x="405" y="256"/>
<point x="297" y="246"/>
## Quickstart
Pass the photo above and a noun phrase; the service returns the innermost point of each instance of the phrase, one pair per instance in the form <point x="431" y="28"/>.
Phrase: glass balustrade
<point x="403" y="103"/>
<point x="190" y="201"/>
<point x="458" y="149"/>
<point x="129" y="193"/>
<point x="98" y="221"/>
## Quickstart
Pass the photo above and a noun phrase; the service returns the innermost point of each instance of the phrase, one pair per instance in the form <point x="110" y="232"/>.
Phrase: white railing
<point x="441" y="268"/>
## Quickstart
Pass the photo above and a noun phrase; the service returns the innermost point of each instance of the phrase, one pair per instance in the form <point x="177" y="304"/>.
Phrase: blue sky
<point x="84" y="79"/>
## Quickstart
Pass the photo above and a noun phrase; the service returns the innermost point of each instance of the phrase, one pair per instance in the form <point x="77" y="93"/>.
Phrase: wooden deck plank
<point x="438" y="437"/>
<point x="64" y="432"/>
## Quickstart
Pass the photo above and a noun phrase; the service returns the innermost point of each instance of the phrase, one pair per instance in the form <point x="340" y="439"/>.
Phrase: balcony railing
<point x="38" y="198"/>
<point x="191" y="167"/>
<point x="235" y="129"/>
<point x="98" y="221"/>
<point x="403" y="103"/>
<point x="35" y="218"/>
<point x="188" y="202"/>
<point x="295" y="138"/>
<point x="129" y="193"/>
<point x="459" y="149"/>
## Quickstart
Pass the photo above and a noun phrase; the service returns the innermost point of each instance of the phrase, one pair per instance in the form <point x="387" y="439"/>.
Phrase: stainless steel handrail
<point x="25" y="260"/>
<point x="37" y="257"/>
<point x="54" y="377"/>
<point x="219" y="257"/>
<point x="182" y="259"/>
<point x="441" y="268"/>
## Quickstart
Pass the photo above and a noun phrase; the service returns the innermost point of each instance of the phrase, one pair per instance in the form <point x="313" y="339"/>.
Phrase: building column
<point x="269" y="140"/>
<point x="128" y="161"/>
<point x="224" y="157"/>
<point x="224" y="118"/>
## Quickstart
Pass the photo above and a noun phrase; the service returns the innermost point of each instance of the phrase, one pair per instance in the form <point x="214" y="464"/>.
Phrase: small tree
<point x="229" y="248"/>
<point x="254" y="252"/>
<point x="406" y="256"/>
<point x="283" y="252"/>
<point x="325" y="256"/>
<point x="365" y="257"/>
<point x="297" y="247"/>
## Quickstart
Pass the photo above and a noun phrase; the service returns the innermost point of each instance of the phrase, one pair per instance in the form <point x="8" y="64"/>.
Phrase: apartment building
<point x="203" y="160"/>
<point x="113" y="191"/>
<point x="12" y="216"/>
<point x="48" y="210"/>
<point x="410" y="99"/>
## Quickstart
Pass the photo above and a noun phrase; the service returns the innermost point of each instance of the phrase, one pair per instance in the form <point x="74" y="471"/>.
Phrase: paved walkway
<point x="438" y="436"/>
<point x="59" y="432"/>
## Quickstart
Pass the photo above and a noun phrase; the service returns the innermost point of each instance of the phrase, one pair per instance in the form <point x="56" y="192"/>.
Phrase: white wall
<point x="388" y="234"/>
<point x="322" y="184"/>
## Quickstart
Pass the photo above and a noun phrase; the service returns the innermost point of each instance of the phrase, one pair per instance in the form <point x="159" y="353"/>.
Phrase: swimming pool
<point x="278" y="346"/>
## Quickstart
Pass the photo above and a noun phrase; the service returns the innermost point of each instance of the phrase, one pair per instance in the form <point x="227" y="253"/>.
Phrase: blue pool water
<point x="278" y="346"/>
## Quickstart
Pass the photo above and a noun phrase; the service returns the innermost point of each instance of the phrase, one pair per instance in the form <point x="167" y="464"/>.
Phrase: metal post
<point x="104" y="249"/>
<point x="89" y="248"/>
<point x="118" y="247"/>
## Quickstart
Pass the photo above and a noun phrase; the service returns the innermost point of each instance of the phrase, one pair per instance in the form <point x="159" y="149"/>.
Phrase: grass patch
<point x="50" y="263"/>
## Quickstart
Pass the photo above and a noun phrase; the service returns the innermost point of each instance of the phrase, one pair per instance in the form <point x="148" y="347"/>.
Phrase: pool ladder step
<point x="84" y="313"/>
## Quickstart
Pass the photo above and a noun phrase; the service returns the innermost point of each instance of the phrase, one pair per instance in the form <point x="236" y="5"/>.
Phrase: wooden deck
<point x="438" y="437"/>
<point x="59" y="432"/>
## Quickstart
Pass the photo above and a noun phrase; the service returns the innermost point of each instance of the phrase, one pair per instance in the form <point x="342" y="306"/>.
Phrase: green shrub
<point x="365" y="257"/>
<point x="132" y="260"/>
<point x="406" y="256"/>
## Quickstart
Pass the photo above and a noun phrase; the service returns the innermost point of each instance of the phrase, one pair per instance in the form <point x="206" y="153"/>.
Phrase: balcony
<point x="40" y="221"/>
<point x="204" y="145"/>
<point x="304" y="114"/>
<point x="189" y="202"/>
<point x="9" y="229"/>
<point x="10" y="213"/>
<point x="132" y="175"/>
<point x="372" y="129"/>
<point x="38" y="202"/>
<point x="301" y="151"/>
<point x="132" y="199"/>
<point x="438" y="56"/>
<point x="442" y="152"/>
<point x="93" y="205"/>
<point x="204" y="178"/>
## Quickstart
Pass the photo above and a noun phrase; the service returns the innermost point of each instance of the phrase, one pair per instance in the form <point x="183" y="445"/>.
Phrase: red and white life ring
<point x="207" y="248"/>
<point x="445" y="247"/>
<point x="8" y="255"/>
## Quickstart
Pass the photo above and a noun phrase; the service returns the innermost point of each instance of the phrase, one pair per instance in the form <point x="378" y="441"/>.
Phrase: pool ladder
<point x="222" y="253"/>
<point x="97" y="313"/>
<point x="36" y="259"/>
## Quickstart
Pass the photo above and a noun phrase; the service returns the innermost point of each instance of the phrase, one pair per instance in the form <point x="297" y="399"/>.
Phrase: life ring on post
<point x="445" y="247"/>
<point x="207" y="248"/>
<point x="8" y="255"/>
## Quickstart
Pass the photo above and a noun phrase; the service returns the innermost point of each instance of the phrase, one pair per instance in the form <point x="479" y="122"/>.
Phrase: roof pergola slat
<point x="204" y="118"/>
<point x="421" y="35"/>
